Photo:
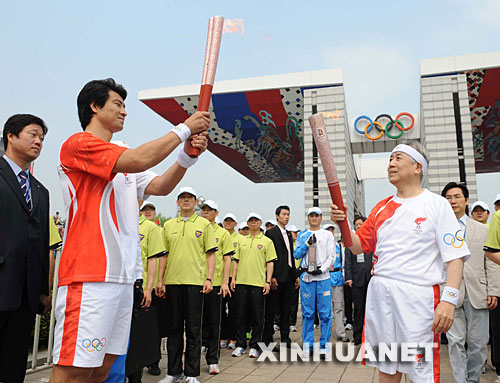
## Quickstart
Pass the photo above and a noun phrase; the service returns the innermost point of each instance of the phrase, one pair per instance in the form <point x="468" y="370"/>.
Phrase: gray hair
<point x="419" y="148"/>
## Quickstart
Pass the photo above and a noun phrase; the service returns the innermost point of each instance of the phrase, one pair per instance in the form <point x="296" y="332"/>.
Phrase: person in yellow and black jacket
<point x="228" y="332"/>
<point x="190" y="243"/>
<point x="212" y="304"/>
<point x="252" y="272"/>
<point x="152" y="248"/>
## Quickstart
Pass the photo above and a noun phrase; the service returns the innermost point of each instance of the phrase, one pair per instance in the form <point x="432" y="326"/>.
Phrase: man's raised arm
<point x="152" y="153"/>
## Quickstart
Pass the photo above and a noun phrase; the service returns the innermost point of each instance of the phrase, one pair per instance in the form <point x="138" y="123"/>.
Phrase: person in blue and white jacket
<point x="315" y="285"/>
<point x="337" y="280"/>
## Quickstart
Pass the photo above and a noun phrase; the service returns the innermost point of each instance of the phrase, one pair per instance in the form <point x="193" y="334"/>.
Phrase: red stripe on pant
<point x="71" y="321"/>
<point x="436" y="361"/>
<point x="363" y="360"/>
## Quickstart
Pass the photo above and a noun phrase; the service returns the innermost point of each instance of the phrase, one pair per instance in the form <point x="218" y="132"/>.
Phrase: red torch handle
<point x="203" y="105"/>
<point x="325" y="154"/>
<point x="336" y="195"/>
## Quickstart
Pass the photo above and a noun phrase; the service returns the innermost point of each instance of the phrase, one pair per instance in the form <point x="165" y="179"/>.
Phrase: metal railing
<point x="45" y="362"/>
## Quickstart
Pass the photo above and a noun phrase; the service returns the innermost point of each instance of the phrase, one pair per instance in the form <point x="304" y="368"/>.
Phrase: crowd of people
<point x="418" y="266"/>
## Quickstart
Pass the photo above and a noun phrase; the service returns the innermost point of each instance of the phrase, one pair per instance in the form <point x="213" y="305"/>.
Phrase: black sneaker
<point x="154" y="369"/>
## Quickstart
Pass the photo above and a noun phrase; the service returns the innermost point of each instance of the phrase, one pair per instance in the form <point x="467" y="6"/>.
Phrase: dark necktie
<point x="24" y="187"/>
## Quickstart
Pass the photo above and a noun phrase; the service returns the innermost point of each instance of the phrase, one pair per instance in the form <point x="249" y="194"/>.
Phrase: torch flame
<point x="234" y="25"/>
<point x="335" y="115"/>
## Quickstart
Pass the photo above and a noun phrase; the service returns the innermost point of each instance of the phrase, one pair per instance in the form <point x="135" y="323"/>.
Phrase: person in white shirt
<point x="412" y="234"/>
<point x="315" y="285"/>
<point x="479" y="289"/>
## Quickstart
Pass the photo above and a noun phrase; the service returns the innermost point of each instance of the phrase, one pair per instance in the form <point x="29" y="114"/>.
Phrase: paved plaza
<point x="244" y="369"/>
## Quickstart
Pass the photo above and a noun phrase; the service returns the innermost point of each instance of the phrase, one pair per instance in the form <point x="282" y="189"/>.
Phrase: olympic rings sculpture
<point x="384" y="129"/>
<point x="94" y="345"/>
<point x="451" y="240"/>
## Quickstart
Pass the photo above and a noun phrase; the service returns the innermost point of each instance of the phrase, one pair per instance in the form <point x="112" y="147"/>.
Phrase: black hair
<point x="96" y="92"/>
<point x="461" y="186"/>
<point x="452" y="185"/>
<point x="16" y="123"/>
<point x="358" y="217"/>
<point x="282" y="207"/>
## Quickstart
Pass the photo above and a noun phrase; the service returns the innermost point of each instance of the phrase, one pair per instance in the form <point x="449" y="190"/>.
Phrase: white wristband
<point x="182" y="131"/>
<point x="450" y="295"/>
<point x="184" y="160"/>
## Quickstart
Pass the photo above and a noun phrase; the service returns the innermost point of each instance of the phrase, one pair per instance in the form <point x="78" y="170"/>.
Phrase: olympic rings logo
<point x="451" y="294"/>
<point x="94" y="345"/>
<point x="453" y="240"/>
<point x="401" y="128"/>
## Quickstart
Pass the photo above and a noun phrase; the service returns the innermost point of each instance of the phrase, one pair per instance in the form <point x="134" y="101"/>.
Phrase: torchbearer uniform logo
<point x="197" y="233"/>
<point x="419" y="222"/>
<point x="418" y="358"/>
<point x="260" y="247"/>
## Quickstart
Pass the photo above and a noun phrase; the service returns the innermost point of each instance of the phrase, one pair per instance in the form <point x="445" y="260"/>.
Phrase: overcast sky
<point x="50" y="49"/>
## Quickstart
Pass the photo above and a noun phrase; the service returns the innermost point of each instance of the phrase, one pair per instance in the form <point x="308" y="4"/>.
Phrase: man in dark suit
<point x="357" y="275"/>
<point x="283" y="282"/>
<point x="24" y="235"/>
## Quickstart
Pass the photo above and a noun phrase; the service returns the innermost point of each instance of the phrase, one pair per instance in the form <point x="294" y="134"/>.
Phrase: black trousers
<point x="279" y="299"/>
<point x="227" y="331"/>
<point x="162" y="310"/>
<point x="15" y="339"/>
<point x="249" y="298"/>
<point x="359" y="300"/>
<point x="186" y="307"/>
<point x="348" y="304"/>
<point x="495" y="341"/>
<point x="210" y="333"/>
<point x="294" y="308"/>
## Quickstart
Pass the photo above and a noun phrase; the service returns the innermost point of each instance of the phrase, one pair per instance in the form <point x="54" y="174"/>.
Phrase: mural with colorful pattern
<point x="258" y="133"/>
<point x="484" y="102"/>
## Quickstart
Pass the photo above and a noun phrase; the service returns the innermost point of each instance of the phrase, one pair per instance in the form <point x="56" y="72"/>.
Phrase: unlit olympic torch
<point x="215" y="26"/>
<point x="325" y="154"/>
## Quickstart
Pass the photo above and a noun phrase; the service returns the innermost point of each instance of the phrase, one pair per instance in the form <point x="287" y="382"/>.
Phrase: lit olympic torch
<point x="325" y="154"/>
<point x="215" y="26"/>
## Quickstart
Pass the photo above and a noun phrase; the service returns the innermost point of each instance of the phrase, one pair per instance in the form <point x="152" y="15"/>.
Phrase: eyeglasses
<point x="454" y="197"/>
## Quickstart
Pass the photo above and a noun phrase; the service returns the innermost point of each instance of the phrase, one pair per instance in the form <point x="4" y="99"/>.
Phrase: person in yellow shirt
<point x="228" y="336"/>
<point x="492" y="251"/>
<point x="295" y="301"/>
<point x="492" y="245"/>
<point x="148" y="209"/>
<point x="243" y="229"/>
<point x="251" y="282"/>
<point x="54" y="243"/>
<point x="190" y="243"/>
<point x="212" y="301"/>
<point x="480" y="212"/>
<point x="152" y="248"/>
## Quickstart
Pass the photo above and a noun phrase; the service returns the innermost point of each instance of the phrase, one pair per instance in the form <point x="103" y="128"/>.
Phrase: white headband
<point x="413" y="154"/>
